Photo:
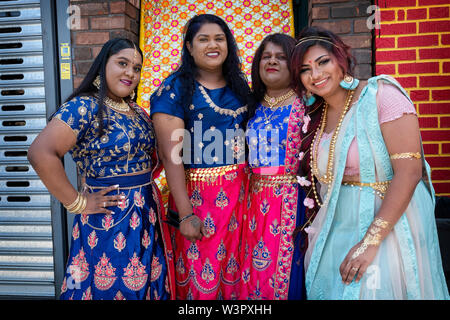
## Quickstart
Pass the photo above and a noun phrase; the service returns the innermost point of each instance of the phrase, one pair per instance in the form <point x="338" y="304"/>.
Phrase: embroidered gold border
<point x="220" y="110"/>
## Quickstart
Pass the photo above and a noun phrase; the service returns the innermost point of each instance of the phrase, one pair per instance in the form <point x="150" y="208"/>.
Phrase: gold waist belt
<point x="258" y="181"/>
<point x="379" y="187"/>
<point x="209" y="174"/>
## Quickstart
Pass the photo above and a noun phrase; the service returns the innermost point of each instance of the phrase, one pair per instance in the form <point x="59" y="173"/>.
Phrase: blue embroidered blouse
<point x="266" y="136"/>
<point x="125" y="147"/>
<point x="214" y="134"/>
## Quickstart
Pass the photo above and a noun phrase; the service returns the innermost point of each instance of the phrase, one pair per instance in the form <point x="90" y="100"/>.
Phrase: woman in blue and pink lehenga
<point x="117" y="249"/>
<point x="272" y="259"/>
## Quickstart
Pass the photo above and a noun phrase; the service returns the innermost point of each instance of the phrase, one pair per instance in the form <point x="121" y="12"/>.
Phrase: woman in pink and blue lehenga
<point x="204" y="104"/>
<point x="117" y="250"/>
<point x="272" y="262"/>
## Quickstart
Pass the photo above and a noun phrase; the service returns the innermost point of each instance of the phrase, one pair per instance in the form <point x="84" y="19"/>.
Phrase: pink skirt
<point x="267" y="235"/>
<point x="209" y="269"/>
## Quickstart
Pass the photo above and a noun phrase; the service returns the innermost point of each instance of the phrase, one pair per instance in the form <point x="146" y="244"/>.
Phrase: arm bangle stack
<point x="78" y="205"/>
<point x="186" y="217"/>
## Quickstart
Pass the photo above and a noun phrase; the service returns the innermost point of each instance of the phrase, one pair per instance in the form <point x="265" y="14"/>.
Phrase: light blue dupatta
<point x="374" y="163"/>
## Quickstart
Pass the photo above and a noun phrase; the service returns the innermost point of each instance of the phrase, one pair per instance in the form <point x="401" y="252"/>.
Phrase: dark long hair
<point x="287" y="43"/>
<point x="232" y="67"/>
<point x="98" y="68"/>
<point x="335" y="46"/>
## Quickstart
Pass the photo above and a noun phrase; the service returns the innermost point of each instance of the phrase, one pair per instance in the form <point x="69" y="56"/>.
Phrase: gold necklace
<point x="328" y="177"/>
<point x="228" y="112"/>
<point x="273" y="101"/>
<point x="121" y="106"/>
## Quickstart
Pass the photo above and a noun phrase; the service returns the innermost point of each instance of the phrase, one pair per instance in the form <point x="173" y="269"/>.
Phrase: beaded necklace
<point x="328" y="177"/>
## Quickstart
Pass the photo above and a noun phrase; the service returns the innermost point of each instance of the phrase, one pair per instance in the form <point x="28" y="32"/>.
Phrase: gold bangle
<point x="406" y="155"/>
<point x="79" y="205"/>
<point x="74" y="204"/>
<point x="82" y="206"/>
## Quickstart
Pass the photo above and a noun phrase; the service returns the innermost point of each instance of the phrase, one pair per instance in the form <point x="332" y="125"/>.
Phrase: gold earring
<point x="348" y="78"/>
<point x="132" y="95"/>
<point x="96" y="82"/>
<point x="349" y="83"/>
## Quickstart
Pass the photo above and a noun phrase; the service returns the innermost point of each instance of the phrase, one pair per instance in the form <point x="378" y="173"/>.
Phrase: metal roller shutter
<point x="26" y="240"/>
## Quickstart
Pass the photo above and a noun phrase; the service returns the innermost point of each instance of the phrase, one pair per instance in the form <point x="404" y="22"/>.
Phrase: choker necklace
<point x="121" y="106"/>
<point x="273" y="101"/>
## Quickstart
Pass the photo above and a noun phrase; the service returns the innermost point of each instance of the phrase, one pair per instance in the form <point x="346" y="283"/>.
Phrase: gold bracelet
<point x="372" y="237"/>
<point x="74" y="204"/>
<point x="82" y="206"/>
<point x="379" y="222"/>
<point x="79" y="205"/>
<point x="406" y="155"/>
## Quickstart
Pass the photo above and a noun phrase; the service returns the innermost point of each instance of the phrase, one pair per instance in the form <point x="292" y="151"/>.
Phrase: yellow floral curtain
<point x="162" y="24"/>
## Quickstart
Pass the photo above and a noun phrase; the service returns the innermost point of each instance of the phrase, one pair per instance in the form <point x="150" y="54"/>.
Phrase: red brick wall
<point x="413" y="45"/>
<point x="101" y="21"/>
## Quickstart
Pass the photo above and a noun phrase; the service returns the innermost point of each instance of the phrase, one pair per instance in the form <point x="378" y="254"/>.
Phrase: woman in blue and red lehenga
<point x="205" y="98"/>
<point x="117" y="248"/>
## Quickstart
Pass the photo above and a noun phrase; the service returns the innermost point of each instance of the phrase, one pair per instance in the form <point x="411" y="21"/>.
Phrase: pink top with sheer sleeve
<point x="392" y="104"/>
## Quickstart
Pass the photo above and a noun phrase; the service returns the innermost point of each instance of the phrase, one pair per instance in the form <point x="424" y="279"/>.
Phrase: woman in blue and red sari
<point x="117" y="250"/>
<point x="202" y="101"/>
<point x="272" y="262"/>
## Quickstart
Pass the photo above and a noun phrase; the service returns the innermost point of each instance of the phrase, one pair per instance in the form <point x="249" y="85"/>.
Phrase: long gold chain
<point x="328" y="177"/>
<point x="273" y="101"/>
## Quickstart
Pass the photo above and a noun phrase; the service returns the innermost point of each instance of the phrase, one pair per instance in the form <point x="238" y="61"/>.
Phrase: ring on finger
<point x="104" y="204"/>
<point x="355" y="269"/>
